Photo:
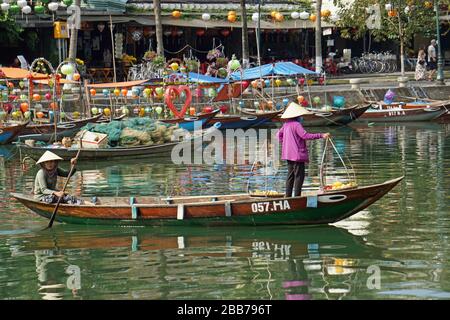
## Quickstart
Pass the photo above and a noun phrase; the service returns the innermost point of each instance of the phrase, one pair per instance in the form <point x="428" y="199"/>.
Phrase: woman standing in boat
<point x="47" y="177"/>
<point x="293" y="138"/>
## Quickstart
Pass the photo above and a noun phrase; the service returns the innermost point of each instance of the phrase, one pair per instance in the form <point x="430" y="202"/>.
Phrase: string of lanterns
<point x="27" y="7"/>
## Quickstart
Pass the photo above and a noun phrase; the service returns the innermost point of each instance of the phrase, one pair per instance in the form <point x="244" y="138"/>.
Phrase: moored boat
<point x="243" y="121"/>
<point x="188" y="123"/>
<point x="217" y="210"/>
<point x="9" y="132"/>
<point x="400" y="113"/>
<point x="334" y="117"/>
<point x="46" y="132"/>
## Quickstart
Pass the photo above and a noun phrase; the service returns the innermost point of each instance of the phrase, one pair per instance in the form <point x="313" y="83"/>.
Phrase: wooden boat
<point x="9" y="132"/>
<point x="405" y="112"/>
<point x="334" y="117"/>
<point x="46" y="132"/>
<point x="243" y="121"/>
<point x="210" y="211"/>
<point x="159" y="150"/>
<point x="188" y="123"/>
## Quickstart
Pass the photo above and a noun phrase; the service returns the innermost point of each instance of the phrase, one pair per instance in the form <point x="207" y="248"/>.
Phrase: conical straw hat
<point x="294" y="110"/>
<point x="48" y="156"/>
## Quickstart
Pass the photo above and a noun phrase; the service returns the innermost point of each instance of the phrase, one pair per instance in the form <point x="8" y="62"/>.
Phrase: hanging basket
<point x="338" y="185"/>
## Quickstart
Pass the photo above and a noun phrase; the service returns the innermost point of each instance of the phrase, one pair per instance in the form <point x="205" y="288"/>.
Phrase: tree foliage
<point x="406" y="19"/>
<point x="10" y="31"/>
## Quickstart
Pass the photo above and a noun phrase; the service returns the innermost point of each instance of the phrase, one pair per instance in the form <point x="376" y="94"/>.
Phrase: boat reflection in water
<point x="163" y="263"/>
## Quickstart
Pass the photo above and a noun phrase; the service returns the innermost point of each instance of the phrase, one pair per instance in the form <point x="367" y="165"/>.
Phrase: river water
<point x="397" y="248"/>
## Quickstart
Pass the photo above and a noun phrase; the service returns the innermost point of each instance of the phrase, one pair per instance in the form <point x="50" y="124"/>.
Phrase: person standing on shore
<point x="421" y="70"/>
<point x="292" y="137"/>
<point x="432" y="60"/>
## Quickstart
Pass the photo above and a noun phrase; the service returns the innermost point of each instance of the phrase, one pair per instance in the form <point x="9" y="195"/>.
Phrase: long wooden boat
<point x="46" y="132"/>
<point x="335" y="117"/>
<point x="158" y="150"/>
<point x="189" y="123"/>
<point x="210" y="211"/>
<point x="243" y="121"/>
<point x="9" y="132"/>
<point x="381" y="113"/>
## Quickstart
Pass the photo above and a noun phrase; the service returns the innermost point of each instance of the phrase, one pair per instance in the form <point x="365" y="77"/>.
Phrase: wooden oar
<point x="50" y="224"/>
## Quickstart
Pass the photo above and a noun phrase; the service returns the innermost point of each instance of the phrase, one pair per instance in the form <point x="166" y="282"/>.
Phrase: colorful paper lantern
<point x="24" y="107"/>
<point x="107" y="112"/>
<point x="94" y="111"/>
<point x="176" y="14"/>
<point x="125" y="111"/>
<point x="295" y="15"/>
<point x="174" y="66"/>
<point x="338" y="101"/>
<point x="67" y="69"/>
<point x="36" y="97"/>
<point x="278" y="82"/>
<point x="27" y="114"/>
<point x="76" y="115"/>
<point x="158" y="110"/>
<point x="76" y="77"/>
<point x="300" y="99"/>
<point x="53" y="105"/>
<point x="316" y="100"/>
<point x="105" y="92"/>
<point x="116" y="92"/>
<point x="124" y="92"/>
<point x="48" y="96"/>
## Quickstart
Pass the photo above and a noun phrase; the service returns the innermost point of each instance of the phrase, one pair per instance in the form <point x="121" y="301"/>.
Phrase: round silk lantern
<point x="316" y="100"/>
<point x="338" y="101"/>
<point x="94" y="111"/>
<point x="116" y="92"/>
<point x="107" y="112"/>
<point x="105" y="92"/>
<point x="36" y="97"/>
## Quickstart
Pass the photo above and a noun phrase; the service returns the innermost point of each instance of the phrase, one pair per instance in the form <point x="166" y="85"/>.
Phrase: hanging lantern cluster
<point x="22" y="6"/>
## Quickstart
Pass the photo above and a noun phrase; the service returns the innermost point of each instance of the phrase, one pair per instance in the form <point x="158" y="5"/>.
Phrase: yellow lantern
<point x="231" y="13"/>
<point x="310" y="82"/>
<point x="273" y="14"/>
<point x="174" y="66"/>
<point x="279" y="17"/>
<point x="176" y="14"/>
<point x="325" y="13"/>
<point x="428" y="5"/>
<point x="278" y="82"/>
<point x="313" y="17"/>
<point x="232" y="18"/>
<point x="116" y="92"/>
<point x="107" y="112"/>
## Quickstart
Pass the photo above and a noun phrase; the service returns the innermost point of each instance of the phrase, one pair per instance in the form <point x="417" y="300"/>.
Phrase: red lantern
<point x="223" y="109"/>
<point x="200" y="32"/>
<point x="93" y="92"/>
<point x="48" y="96"/>
<point x="321" y="80"/>
<point x="225" y="32"/>
<point x="305" y="103"/>
<point x="76" y="76"/>
<point x="54" y="105"/>
<point x="208" y="109"/>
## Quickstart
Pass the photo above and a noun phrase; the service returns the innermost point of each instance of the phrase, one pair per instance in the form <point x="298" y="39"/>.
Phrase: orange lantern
<point x="76" y="76"/>
<point x="40" y="114"/>
<point x="54" y="105"/>
<point x="231" y="13"/>
<point x="36" y="97"/>
<point x="273" y="14"/>
<point x="24" y="107"/>
<point x="192" y="111"/>
<point x="124" y="92"/>
<point x="254" y="84"/>
<point x="93" y="92"/>
<point x="279" y="17"/>
<point x="116" y="92"/>
<point x="232" y="18"/>
<point x="313" y="17"/>
<point x="300" y="99"/>
<point x="176" y="14"/>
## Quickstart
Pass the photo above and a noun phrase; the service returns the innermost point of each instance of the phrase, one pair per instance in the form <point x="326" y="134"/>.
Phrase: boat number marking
<point x="270" y="206"/>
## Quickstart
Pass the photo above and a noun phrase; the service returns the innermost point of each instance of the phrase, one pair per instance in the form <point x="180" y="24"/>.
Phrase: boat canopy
<point x="17" y="74"/>
<point x="193" y="77"/>
<point x="271" y="69"/>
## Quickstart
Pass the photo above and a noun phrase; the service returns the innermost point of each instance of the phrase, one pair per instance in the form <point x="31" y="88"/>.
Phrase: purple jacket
<point x="293" y="138"/>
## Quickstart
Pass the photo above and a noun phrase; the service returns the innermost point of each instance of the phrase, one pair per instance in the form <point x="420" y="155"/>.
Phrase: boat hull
<point x="193" y="123"/>
<point x="46" y="132"/>
<point x="9" y="133"/>
<point x="229" y="210"/>
<point x="245" y="121"/>
<point x="403" y="114"/>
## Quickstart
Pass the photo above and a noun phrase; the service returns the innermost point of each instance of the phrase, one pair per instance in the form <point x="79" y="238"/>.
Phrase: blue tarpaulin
<point x="271" y="69"/>
<point x="200" y="78"/>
